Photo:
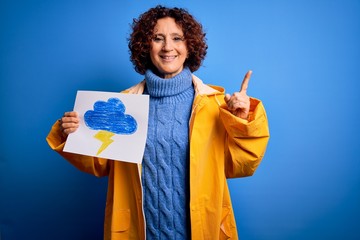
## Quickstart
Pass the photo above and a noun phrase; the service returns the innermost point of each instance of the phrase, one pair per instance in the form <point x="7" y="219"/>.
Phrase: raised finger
<point x="245" y="82"/>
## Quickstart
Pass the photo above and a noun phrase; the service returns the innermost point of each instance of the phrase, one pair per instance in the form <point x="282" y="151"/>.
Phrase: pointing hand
<point x="239" y="102"/>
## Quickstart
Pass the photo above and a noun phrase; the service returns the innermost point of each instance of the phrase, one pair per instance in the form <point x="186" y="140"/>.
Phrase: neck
<point x="161" y="87"/>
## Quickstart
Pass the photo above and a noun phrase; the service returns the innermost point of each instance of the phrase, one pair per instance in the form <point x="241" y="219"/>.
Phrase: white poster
<point x="112" y="125"/>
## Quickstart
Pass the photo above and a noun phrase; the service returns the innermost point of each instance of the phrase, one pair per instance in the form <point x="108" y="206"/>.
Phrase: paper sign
<point x="112" y="126"/>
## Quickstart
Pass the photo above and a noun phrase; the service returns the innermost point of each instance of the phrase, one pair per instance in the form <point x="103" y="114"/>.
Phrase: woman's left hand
<point x="239" y="102"/>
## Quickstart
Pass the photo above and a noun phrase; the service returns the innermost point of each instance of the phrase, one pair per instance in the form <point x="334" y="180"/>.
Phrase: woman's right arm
<point x="56" y="139"/>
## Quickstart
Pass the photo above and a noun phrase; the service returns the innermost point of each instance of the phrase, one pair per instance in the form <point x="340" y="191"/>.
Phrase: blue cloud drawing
<point x="110" y="116"/>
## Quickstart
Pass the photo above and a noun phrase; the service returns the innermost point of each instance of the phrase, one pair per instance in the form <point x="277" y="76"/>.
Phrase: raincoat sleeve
<point x="92" y="165"/>
<point x="246" y="140"/>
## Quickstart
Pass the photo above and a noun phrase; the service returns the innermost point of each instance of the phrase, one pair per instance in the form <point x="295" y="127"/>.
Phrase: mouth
<point x="168" y="58"/>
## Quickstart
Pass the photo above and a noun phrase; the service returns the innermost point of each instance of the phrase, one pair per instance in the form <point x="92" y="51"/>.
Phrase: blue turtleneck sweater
<point x="165" y="172"/>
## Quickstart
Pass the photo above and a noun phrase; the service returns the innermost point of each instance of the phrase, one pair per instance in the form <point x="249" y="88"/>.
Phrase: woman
<point x="197" y="137"/>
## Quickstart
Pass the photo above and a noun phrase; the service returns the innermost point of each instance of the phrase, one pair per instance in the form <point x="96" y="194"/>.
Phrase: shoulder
<point x="206" y="89"/>
<point x="136" y="89"/>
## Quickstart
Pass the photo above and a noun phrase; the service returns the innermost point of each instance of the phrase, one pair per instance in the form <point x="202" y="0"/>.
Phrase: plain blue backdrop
<point x="305" y="57"/>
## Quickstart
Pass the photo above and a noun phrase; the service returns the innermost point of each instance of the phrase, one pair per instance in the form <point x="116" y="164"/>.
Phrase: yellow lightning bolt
<point x="105" y="138"/>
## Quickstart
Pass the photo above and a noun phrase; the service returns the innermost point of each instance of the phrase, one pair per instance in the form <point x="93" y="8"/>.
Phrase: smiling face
<point x="168" y="48"/>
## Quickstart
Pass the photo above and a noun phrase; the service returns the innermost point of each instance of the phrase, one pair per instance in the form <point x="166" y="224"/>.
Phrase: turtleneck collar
<point x="161" y="87"/>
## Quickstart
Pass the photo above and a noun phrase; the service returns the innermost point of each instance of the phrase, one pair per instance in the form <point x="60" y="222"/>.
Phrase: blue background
<point x="306" y="59"/>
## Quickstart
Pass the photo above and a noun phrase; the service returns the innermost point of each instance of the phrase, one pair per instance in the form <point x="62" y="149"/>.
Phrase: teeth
<point x="168" y="57"/>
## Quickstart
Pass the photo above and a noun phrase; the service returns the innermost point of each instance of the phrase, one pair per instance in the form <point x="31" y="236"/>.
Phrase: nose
<point x="168" y="45"/>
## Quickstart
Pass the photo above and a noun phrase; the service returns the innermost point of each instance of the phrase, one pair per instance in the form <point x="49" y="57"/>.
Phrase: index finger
<point x="245" y="82"/>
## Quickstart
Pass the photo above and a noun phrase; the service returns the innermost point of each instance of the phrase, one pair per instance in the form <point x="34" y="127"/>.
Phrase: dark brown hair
<point x="143" y="32"/>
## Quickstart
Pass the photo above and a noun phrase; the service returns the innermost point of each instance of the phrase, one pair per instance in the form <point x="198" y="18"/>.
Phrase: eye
<point x="178" y="38"/>
<point x="158" y="39"/>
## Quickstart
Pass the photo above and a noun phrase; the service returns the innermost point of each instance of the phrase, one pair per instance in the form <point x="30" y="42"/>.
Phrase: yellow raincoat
<point x="221" y="146"/>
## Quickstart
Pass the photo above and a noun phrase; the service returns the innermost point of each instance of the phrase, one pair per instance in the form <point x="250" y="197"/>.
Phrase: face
<point x="168" y="48"/>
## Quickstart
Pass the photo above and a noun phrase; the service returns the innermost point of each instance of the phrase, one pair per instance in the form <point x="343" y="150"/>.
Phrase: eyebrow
<point x="171" y="34"/>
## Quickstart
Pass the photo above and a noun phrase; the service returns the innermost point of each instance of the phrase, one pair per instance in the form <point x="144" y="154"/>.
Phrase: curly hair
<point x="143" y="31"/>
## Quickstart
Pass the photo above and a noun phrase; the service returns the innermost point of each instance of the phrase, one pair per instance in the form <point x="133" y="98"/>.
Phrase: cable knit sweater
<point x="165" y="172"/>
